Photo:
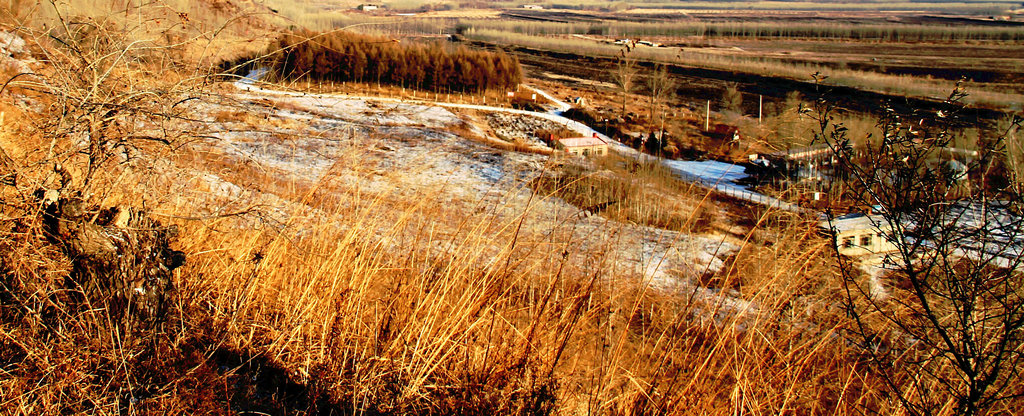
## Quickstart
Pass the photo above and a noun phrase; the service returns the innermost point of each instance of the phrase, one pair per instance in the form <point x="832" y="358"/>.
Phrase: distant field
<point x="978" y="8"/>
<point x="958" y="7"/>
<point x="773" y="29"/>
<point x="915" y="54"/>
<point x="909" y="85"/>
<point x="901" y="48"/>
<point x="309" y="9"/>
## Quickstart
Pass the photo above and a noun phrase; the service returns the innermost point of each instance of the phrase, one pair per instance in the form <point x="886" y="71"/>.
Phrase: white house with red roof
<point x="583" y="146"/>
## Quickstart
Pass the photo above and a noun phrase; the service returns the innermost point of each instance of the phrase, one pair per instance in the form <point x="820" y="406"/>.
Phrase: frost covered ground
<point x="722" y="177"/>
<point x="399" y="153"/>
<point x="709" y="170"/>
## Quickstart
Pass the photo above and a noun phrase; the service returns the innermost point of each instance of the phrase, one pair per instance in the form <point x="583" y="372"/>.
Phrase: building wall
<point x="597" y="150"/>
<point x="862" y="242"/>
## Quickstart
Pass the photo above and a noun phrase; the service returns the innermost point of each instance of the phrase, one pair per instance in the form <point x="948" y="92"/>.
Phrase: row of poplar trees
<point x="350" y="57"/>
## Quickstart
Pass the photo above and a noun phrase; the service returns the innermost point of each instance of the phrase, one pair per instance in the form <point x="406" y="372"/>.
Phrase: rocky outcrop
<point x="512" y="127"/>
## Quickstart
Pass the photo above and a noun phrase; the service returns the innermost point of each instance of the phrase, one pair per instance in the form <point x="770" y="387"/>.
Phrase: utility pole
<point x="759" y="106"/>
<point x="707" y="116"/>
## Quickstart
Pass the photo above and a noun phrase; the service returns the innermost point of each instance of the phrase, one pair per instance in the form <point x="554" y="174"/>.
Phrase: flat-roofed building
<point x="861" y="235"/>
<point x="584" y="146"/>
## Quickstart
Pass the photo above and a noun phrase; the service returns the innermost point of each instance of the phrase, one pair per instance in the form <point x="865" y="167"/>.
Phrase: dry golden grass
<point x="408" y="328"/>
<point x="414" y="307"/>
<point x="399" y="307"/>
<point x="630" y="192"/>
<point x="349" y="300"/>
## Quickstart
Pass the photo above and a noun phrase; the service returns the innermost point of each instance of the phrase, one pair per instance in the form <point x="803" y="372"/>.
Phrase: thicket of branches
<point x="945" y="331"/>
<point x="344" y="56"/>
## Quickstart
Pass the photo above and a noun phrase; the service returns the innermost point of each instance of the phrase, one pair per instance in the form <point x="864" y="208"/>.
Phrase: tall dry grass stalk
<point x="518" y="327"/>
<point x="320" y="295"/>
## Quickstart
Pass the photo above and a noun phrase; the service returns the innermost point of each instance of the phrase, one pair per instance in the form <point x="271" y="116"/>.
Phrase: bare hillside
<point x="177" y="240"/>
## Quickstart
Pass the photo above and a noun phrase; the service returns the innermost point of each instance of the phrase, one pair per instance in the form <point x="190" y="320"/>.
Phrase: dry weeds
<point x="405" y="302"/>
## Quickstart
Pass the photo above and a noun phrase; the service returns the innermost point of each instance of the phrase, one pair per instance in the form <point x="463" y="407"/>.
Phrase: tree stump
<point x="122" y="260"/>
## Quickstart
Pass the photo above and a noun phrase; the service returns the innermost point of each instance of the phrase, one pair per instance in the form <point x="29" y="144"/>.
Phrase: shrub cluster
<point x="344" y="56"/>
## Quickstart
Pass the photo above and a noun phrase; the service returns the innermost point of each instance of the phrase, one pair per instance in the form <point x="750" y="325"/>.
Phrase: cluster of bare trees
<point x="345" y="56"/>
<point x="660" y="89"/>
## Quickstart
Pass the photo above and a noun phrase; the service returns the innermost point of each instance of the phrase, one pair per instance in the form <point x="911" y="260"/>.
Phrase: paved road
<point x="560" y="106"/>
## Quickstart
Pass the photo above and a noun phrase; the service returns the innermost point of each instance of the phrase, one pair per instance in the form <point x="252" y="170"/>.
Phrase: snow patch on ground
<point x="722" y="177"/>
<point x="369" y="112"/>
<point x="271" y="210"/>
<point x="709" y="170"/>
<point x="586" y="131"/>
<point x="408" y="152"/>
<point x="684" y="257"/>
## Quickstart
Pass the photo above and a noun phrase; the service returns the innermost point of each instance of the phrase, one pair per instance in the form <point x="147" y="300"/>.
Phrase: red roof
<point x="581" y="142"/>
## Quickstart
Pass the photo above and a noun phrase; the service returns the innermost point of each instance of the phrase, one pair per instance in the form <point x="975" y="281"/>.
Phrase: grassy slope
<point x="389" y="301"/>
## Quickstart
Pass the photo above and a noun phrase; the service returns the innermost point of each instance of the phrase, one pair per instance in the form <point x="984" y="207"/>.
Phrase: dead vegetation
<point x="627" y="191"/>
<point x="353" y="301"/>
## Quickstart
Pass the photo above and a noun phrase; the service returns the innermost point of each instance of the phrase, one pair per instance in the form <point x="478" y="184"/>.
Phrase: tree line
<point x="350" y="57"/>
<point x="951" y="31"/>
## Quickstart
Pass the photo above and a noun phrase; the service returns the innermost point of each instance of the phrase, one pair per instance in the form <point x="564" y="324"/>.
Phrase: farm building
<point x="861" y="235"/>
<point x="533" y="7"/>
<point x="368" y="7"/>
<point x="583" y="146"/>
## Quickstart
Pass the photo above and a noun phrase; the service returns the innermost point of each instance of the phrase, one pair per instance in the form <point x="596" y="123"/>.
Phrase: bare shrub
<point x="949" y="336"/>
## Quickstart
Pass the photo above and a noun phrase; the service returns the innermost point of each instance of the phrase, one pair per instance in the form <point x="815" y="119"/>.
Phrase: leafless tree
<point x="661" y="86"/>
<point x="732" y="99"/>
<point x="624" y="76"/>
<point x="947" y="331"/>
<point x="103" y="110"/>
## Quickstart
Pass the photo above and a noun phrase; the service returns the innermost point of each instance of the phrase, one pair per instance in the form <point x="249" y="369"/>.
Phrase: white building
<point x="861" y="235"/>
<point x="584" y="146"/>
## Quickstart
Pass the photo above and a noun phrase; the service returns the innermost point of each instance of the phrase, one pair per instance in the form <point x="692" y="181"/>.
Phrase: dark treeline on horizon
<point x="350" y="57"/>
